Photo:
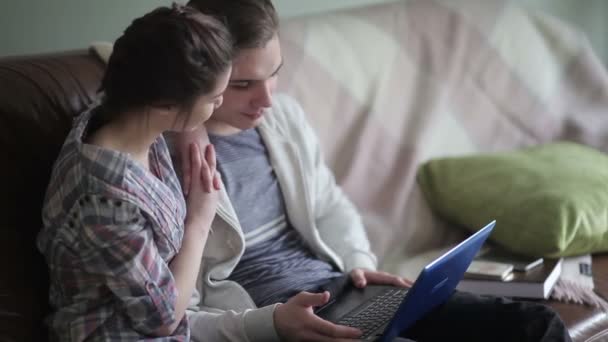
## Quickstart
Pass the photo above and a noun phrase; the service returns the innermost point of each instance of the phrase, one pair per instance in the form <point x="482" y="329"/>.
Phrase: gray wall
<point x="589" y="16"/>
<point x="36" y="26"/>
<point x="33" y="26"/>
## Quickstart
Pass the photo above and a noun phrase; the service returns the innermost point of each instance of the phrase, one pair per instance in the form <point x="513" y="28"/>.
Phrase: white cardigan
<point x="317" y="209"/>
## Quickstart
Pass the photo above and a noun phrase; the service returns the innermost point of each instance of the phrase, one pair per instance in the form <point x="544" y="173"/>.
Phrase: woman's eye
<point x="239" y="85"/>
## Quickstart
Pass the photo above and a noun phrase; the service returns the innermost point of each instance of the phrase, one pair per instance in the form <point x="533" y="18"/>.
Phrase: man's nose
<point x="263" y="96"/>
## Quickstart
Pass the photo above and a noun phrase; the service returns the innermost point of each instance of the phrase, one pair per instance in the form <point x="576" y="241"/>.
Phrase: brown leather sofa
<point x="39" y="95"/>
<point x="38" y="98"/>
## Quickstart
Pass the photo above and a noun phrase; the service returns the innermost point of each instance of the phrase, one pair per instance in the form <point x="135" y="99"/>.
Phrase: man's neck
<point x="220" y="128"/>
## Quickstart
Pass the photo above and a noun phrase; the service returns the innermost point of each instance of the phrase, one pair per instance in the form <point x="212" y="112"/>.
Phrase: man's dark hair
<point x="169" y="56"/>
<point x="252" y="23"/>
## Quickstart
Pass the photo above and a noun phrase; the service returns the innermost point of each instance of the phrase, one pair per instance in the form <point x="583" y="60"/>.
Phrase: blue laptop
<point x="383" y="312"/>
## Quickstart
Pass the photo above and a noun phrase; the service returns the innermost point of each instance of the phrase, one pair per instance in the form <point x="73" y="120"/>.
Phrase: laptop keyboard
<point x="376" y="312"/>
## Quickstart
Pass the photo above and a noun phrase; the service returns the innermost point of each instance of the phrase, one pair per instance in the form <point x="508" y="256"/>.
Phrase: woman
<point x="122" y="244"/>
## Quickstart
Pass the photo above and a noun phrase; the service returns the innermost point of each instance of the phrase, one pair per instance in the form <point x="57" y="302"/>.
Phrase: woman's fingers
<point x="216" y="181"/>
<point x="200" y="169"/>
<point x="194" y="165"/>
<point x="205" y="173"/>
<point x="210" y="156"/>
<point x="186" y="163"/>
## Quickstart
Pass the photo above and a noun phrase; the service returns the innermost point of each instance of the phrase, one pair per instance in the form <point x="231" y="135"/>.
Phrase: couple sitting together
<point x="191" y="203"/>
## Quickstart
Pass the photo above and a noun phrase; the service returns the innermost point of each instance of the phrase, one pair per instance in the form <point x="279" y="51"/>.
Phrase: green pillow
<point x="549" y="201"/>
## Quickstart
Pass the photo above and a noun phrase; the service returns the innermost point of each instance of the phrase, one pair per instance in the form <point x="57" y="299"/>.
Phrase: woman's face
<point x="205" y="104"/>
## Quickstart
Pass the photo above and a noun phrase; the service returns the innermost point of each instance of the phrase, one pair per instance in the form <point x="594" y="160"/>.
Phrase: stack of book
<point x="498" y="272"/>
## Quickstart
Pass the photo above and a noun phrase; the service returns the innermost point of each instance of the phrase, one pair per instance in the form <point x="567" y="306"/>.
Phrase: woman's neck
<point x="131" y="133"/>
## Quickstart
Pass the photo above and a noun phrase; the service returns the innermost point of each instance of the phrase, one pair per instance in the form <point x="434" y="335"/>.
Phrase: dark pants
<point x="468" y="317"/>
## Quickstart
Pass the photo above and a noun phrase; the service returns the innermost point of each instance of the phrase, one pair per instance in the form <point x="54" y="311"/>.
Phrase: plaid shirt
<point x="110" y="229"/>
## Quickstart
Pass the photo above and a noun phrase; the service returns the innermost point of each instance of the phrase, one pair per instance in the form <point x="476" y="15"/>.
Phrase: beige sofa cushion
<point x="390" y="86"/>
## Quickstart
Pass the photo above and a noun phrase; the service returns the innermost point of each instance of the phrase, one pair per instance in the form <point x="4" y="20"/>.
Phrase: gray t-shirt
<point x="276" y="264"/>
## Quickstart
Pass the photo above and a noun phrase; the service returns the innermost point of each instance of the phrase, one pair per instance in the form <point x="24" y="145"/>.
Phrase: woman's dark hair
<point x="169" y="56"/>
<point x="252" y="23"/>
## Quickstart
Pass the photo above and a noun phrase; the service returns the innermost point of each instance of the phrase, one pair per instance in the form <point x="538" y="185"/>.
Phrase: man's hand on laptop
<point x="296" y="321"/>
<point x="362" y="277"/>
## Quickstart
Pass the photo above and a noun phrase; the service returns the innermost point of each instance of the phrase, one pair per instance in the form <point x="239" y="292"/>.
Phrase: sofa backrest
<point x="39" y="96"/>
<point x="392" y="85"/>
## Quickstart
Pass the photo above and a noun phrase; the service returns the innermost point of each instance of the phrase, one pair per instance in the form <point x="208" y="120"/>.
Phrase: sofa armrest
<point x="586" y="323"/>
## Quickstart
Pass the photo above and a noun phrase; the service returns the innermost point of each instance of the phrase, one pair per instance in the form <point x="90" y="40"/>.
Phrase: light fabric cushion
<point x="550" y="200"/>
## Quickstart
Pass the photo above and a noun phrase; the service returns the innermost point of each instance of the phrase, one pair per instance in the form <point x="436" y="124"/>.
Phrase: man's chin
<point x="251" y="121"/>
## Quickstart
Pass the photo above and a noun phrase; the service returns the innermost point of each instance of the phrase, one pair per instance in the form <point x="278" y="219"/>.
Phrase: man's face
<point x="249" y="93"/>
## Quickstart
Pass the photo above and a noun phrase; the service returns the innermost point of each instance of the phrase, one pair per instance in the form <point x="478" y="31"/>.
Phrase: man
<point x="284" y="230"/>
